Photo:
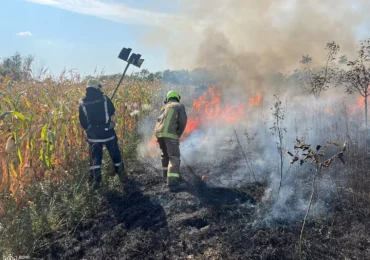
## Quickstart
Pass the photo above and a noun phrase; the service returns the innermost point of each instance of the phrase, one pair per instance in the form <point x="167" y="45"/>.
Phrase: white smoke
<point x="258" y="40"/>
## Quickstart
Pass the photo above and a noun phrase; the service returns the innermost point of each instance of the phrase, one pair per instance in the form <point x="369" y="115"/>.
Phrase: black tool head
<point x="124" y="54"/>
<point x="139" y="63"/>
<point x="135" y="60"/>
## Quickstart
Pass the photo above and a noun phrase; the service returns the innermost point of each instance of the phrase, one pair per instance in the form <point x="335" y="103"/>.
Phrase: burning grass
<point x="209" y="109"/>
<point x="230" y="211"/>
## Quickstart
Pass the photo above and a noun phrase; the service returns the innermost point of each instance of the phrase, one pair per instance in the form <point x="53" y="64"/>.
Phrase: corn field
<point x="40" y="134"/>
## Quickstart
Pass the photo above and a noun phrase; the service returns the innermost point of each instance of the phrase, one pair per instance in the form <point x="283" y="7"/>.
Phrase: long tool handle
<point x="120" y="81"/>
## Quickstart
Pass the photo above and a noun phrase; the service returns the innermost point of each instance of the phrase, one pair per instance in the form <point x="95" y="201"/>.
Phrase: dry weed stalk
<point x="245" y="156"/>
<point x="278" y="129"/>
<point x="305" y="153"/>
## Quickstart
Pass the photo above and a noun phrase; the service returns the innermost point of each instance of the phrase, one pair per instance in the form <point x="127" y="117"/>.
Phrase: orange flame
<point x="351" y="109"/>
<point x="256" y="100"/>
<point x="208" y="109"/>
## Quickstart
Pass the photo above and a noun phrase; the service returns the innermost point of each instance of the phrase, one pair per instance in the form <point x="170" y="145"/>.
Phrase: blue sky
<point x="89" y="34"/>
<point x="82" y="34"/>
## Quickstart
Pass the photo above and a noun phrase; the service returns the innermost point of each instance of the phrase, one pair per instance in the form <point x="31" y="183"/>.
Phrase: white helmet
<point x="94" y="83"/>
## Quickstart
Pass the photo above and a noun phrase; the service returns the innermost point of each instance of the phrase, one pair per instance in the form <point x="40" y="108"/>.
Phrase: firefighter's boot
<point x="95" y="178"/>
<point x="175" y="184"/>
<point x="164" y="171"/>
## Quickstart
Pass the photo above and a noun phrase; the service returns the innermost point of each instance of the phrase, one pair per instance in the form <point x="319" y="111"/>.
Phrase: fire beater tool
<point x="134" y="59"/>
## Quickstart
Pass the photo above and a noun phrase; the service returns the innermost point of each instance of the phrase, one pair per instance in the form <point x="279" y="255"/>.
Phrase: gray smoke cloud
<point x="258" y="37"/>
<point x="256" y="40"/>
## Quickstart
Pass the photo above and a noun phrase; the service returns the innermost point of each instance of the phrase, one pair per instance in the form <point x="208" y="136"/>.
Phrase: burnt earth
<point x="201" y="222"/>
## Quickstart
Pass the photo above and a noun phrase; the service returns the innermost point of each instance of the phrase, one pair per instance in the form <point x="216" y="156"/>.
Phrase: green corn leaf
<point x="47" y="161"/>
<point x="44" y="132"/>
<point x="20" y="140"/>
<point x="17" y="101"/>
<point x="7" y="99"/>
<point x="19" y="115"/>
<point x="20" y="156"/>
<point x="42" y="155"/>
<point x="44" y="158"/>
<point x="51" y="141"/>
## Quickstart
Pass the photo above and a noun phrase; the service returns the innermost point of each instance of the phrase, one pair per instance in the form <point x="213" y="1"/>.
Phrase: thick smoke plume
<point x="248" y="42"/>
<point x="258" y="37"/>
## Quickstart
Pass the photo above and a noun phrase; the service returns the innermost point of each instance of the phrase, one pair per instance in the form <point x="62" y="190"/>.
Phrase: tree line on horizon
<point x="352" y="75"/>
<point x="19" y="68"/>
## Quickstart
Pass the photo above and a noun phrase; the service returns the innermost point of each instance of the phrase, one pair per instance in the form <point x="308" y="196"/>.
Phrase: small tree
<point x="304" y="153"/>
<point x="144" y="73"/>
<point x="357" y="77"/>
<point x="278" y="130"/>
<point x="315" y="80"/>
<point x="16" y="67"/>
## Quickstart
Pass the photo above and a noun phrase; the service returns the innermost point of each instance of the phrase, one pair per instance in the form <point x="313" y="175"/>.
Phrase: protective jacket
<point x="172" y="120"/>
<point x="95" y="112"/>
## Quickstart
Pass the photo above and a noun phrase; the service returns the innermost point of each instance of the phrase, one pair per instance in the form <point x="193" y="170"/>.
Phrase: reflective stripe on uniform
<point x="101" y="140"/>
<point x="95" y="167"/>
<point x="84" y="109"/>
<point x="164" y="168"/>
<point x="168" y="120"/>
<point x="106" y="110"/>
<point x="173" y="175"/>
<point x="85" y="112"/>
<point x="167" y="135"/>
<point x="117" y="164"/>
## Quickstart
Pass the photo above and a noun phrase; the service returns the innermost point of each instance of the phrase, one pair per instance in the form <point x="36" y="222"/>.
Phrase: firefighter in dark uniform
<point x="95" y="112"/>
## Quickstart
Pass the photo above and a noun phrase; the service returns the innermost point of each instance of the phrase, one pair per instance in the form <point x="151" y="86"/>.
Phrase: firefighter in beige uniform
<point x="170" y="125"/>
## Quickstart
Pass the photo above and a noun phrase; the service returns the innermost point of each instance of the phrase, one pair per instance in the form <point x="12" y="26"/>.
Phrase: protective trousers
<point x="96" y="157"/>
<point x="170" y="157"/>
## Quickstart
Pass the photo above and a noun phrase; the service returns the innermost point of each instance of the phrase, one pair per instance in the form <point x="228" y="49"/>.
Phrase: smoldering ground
<point x="235" y="155"/>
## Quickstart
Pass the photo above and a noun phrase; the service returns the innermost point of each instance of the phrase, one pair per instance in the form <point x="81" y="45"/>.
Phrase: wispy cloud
<point x="117" y="12"/>
<point x="24" y="34"/>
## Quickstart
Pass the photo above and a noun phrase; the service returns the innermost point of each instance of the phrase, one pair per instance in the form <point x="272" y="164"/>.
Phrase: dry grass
<point x="47" y="208"/>
<point x="40" y="134"/>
